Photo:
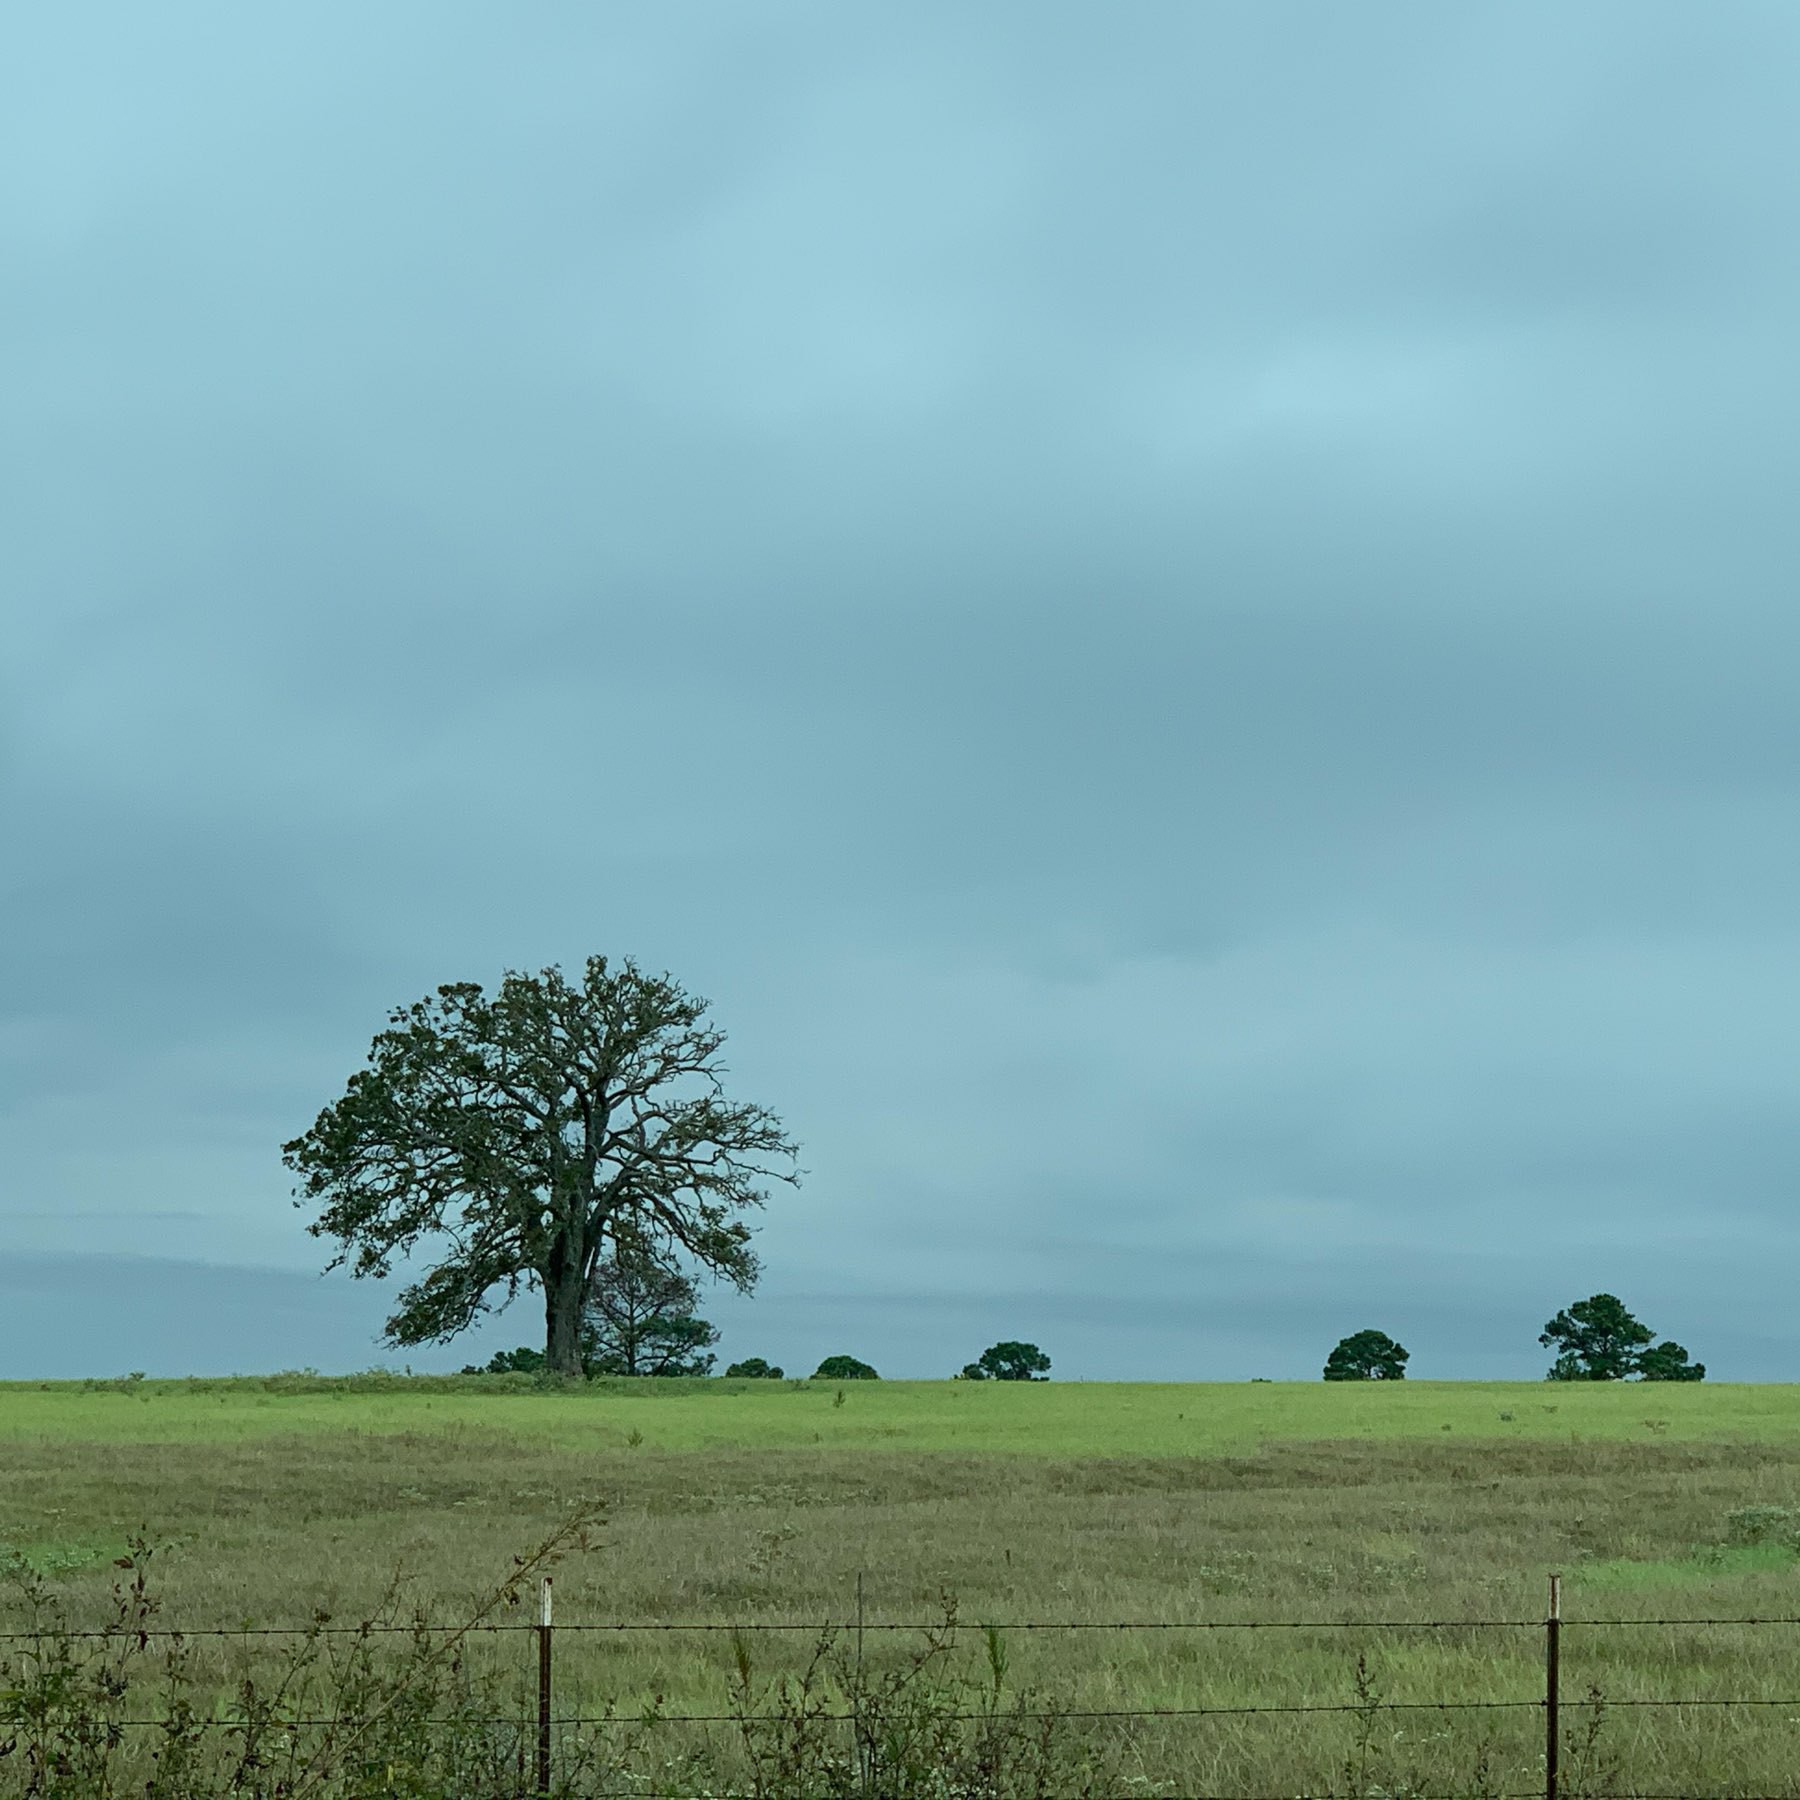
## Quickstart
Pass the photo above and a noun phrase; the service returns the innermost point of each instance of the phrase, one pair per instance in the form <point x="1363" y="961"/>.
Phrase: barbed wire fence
<point x="542" y="1635"/>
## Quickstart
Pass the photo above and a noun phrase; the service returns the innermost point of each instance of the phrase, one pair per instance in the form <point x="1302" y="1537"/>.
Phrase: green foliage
<point x="1367" y="1356"/>
<point x="521" y="1137"/>
<point x="522" y="1361"/>
<point x="844" y="1368"/>
<point x="753" y="1368"/>
<point x="1597" y="1339"/>
<point x="1668" y="1361"/>
<point x="1013" y="1361"/>
<point x="970" y="1372"/>
<point x="1764" y="1525"/>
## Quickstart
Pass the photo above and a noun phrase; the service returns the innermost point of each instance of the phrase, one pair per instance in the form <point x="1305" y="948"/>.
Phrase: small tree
<point x="844" y="1368"/>
<point x="1366" y="1356"/>
<point x="1013" y="1361"/>
<point x="1668" y="1361"/>
<point x="753" y="1368"/>
<point x="1596" y="1340"/>
<point x="970" y="1372"/>
<point x="638" y="1319"/>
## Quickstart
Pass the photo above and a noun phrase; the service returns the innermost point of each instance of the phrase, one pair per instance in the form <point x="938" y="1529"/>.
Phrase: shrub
<point x="753" y="1368"/>
<point x="522" y="1361"/>
<point x="1763" y="1525"/>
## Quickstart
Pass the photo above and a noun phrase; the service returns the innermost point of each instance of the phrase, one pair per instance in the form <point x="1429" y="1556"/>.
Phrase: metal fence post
<point x="543" y="1738"/>
<point x="1552" y="1687"/>
<point x="864" y="1763"/>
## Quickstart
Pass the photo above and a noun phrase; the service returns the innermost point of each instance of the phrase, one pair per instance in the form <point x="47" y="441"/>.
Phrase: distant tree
<point x="638" y="1319"/>
<point x="753" y="1368"/>
<point x="522" y="1361"/>
<point x="1667" y="1361"/>
<point x="1367" y="1356"/>
<point x="523" y="1136"/>
<point x="970" y="1372"/>
<point x="1596" y="1340"/>
<point x="844" y="1368"/>
<point x="1013" y="1361"/>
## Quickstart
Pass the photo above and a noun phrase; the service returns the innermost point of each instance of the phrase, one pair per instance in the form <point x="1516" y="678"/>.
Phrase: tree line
<point x="575" y="1137"/>
<point x="1596" y="1339"/>
<point x="640" y="1318"/>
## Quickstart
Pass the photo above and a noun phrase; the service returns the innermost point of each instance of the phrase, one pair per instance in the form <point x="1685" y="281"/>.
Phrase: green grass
<point x="1056" y="1419"/>
<point x="1193" y="1504"/>
<point x="1772" y="1568"/>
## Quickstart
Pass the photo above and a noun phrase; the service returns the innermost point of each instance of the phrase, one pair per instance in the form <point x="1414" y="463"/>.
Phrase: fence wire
<point x="546" y="1720"/>
<point x="620" y="1627"/>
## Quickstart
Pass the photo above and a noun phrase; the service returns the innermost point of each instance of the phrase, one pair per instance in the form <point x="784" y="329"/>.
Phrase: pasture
<point x="1189" y="1505"/>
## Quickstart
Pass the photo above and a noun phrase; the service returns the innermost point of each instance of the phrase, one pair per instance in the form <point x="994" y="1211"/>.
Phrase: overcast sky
<point x="1184" y="614"/>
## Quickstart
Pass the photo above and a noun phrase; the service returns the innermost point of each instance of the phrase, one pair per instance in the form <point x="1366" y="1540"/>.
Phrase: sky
<point x="1183" y="615"/>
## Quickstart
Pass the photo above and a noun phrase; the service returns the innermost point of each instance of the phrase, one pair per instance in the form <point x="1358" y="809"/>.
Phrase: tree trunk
<point x="562" y="1321"/>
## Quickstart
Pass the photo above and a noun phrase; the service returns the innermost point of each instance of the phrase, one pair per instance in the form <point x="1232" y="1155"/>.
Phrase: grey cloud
<point x="1183" y="618"/>
<point x="173" y="1317"/>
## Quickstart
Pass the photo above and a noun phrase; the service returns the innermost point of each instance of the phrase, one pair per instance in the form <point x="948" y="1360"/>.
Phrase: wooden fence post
<point x="543" y="1738"/>
<point x="1552" y="1687"/>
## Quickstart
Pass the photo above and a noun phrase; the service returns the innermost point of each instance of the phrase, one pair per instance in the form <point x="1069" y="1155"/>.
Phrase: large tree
<point x="1367" y="1356"/>
<point x="521" y="1137"/>
<point x="1596" y="1339"/>
<point x="639" y="1319"/>
<point x="1009" y="1361"/>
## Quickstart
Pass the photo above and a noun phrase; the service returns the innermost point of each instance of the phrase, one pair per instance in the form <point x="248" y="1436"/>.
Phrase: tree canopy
<point x="520" y="1138"/>
<point x="844" y="1368"/>
<point x="1009" y="1361"/>
<point x="1668" y="1361"/>
<point x="1598" y="1339"/>
<point x="1367" y="1356"/>
<point x="753" y="1368"/>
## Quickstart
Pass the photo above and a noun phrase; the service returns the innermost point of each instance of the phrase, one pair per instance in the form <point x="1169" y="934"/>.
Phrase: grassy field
<point x="1060" y="1419"/>
<point x="1186" y="1505"/>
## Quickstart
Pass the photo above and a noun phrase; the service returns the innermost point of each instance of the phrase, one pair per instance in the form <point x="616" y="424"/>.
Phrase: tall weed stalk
<point x="388" y="1710"/>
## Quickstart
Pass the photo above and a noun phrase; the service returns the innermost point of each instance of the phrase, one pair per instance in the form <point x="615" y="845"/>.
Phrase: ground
<point x="1055" y="1504"/>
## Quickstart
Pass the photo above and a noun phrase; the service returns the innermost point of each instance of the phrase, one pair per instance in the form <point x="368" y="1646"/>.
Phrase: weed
<point x="1763" y="1525"/>
<point x="1593" y="1768"/>
<point x="919" y="1727"/>
<point x="1384" y="1762"/>
<point x="87" y="1714"/>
